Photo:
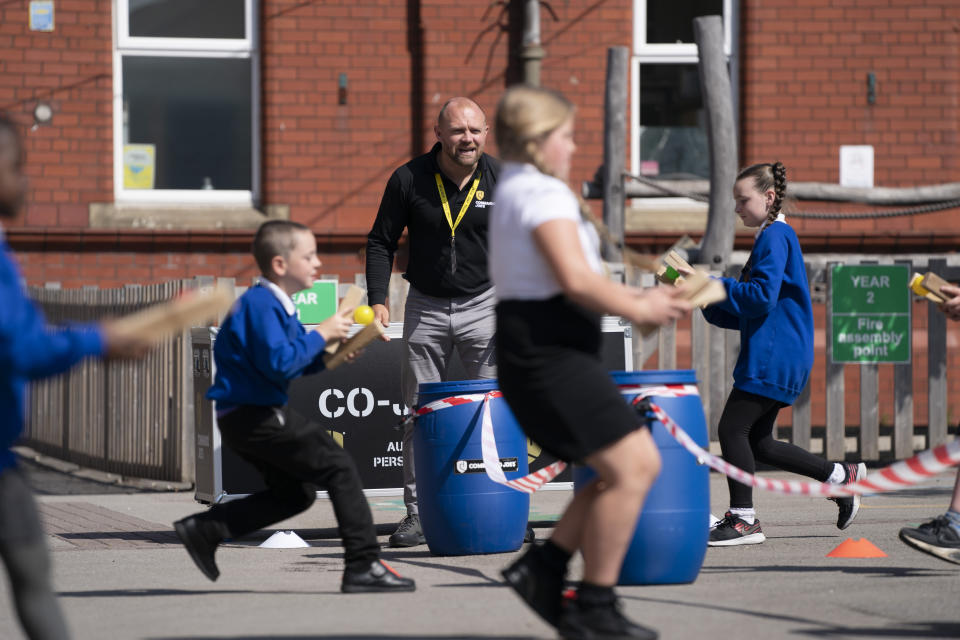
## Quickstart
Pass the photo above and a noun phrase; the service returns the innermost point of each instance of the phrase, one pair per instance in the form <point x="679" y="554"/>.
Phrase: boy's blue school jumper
<point x="770" y="305"/>
<point x="259" y="349"/>
<point x="30" y="350"/>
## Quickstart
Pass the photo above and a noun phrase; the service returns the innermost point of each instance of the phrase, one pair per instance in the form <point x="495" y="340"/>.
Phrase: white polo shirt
<point x="526" y="198"/>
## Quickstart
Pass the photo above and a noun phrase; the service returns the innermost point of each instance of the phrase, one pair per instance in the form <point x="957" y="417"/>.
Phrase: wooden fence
<point x="137" y="418"/>
<point x="128" y="418"/>
<point x="713" y="353"/>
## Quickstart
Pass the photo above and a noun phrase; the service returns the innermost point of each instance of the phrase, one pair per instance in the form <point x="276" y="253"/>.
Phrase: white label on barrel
<point x="477" y="466"/>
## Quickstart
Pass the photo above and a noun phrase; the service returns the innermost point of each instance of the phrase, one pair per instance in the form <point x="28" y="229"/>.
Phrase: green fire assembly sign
<point x="871" y="313"/>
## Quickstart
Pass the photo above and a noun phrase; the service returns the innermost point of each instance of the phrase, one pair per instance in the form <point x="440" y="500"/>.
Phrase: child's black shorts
<point x="550" y="372"/>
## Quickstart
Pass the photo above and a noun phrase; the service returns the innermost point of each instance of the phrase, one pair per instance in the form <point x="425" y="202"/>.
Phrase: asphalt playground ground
<point x="121" y="574"/>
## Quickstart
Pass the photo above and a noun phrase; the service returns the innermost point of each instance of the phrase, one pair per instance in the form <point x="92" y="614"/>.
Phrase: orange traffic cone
<point x="861" y="548"/>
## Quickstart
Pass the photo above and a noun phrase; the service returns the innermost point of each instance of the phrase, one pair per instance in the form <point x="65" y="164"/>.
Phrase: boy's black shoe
<point x="936" y="537"/>
<point x="378" y="577"/>
<point x="540" y="585"/>
<point x="849" y="506"/>
<point x="599" y="622"/>
<point x="200" y="548"/>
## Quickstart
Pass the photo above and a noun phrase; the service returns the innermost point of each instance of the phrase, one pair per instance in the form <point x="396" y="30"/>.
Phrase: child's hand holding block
<point x="361" y="339"/>
<point x="353" y="297"/>
<point x="929" y="286"/>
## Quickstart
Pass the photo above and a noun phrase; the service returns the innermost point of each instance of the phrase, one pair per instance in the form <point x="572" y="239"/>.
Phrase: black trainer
<point x="379" y="577"/>
<point x="599" y="622"/>
<point x="198" y="545"/>
<point x="540" y="585"/>
<point x="408" y="533"/>
<point x="936" y="537"/>
<point x="849" y="506"/>
<point x="734" y="530"/>
<point x="530" y="535"/>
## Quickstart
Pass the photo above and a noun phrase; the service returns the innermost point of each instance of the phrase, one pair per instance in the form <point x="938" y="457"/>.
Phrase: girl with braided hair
<point x="770" y="305"/>
<point x="551" y="290"/>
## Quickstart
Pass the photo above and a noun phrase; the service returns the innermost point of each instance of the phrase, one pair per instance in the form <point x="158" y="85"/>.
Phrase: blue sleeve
<point x="316" y="366"/>
<point x="758" y="295"/>
<point x="274" y="353"/>
<point x="29" y="347"/>
<point x="720" y="318"/>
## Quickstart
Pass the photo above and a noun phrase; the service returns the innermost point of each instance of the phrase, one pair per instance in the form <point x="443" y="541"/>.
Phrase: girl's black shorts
<point x="551" y="374"/>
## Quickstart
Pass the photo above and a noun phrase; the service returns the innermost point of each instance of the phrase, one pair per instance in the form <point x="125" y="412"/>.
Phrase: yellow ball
<point x="363" y="314"/>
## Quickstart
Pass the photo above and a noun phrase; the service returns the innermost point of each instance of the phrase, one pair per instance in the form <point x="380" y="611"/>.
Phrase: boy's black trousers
<point x="295" y="456"/>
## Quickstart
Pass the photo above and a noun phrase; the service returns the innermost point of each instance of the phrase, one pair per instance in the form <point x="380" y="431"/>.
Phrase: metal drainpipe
<point x="532" y="52"/>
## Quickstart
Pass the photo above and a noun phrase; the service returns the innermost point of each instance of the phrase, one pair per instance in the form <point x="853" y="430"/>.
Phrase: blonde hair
<point x="525" y="117"/>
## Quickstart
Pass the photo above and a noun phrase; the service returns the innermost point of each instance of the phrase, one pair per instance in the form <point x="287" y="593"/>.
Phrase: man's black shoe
<point x="530" y="535"/>
<point x="409" y="533"/>
<point x="540" y="586"/>
<point x="378" y="577"/>
<point x="198" y="546"/>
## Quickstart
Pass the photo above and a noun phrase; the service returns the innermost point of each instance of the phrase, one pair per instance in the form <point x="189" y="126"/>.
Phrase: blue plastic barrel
<point x="670" y="540"/>
<point x="462" y="511"/>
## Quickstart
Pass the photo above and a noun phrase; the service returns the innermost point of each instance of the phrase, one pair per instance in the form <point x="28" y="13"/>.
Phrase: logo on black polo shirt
<point x="480" y="203"/>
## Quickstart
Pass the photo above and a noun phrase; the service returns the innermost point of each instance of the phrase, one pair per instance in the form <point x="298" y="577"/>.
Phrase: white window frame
<point x="128" y="46"/>
<point x="660" y="53"/>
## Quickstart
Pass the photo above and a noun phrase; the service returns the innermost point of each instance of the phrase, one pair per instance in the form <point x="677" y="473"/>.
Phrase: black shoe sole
<point x="397" y="544"/>
<point x="371" y="589"/>
<point x="185" y="538"/>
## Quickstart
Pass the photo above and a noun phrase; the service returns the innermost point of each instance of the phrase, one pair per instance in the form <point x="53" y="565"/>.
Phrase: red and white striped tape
<point x="488" y="444"/>
<point x="899" y="475"/>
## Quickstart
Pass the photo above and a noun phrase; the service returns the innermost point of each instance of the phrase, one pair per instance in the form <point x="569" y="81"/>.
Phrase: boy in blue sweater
<point x="30" y="350"/>
<point x="259" y="349"/>
<point x="770" y="306"/>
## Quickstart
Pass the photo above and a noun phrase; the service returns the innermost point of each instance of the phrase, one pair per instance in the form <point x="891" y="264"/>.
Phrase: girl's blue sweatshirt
<point x="259" y="349"/>
<point x="30" y="350"/>
<point x="770" y="305"/>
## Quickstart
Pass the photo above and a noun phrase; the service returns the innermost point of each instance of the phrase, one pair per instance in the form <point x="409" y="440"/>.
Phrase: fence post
<point x="936" y="367"/>
<point x="903" y="395"/>
<point x="834" y="447"/>
<point x="869" y="407"/>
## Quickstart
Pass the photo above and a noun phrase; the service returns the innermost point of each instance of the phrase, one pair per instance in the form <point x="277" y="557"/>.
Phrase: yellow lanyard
<point x="446" y="205"/>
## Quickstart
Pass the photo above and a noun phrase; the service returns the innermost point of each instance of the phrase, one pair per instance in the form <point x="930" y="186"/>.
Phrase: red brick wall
<point x="328" y="162"/>
<point x="69" y="161"/>
<point x="804" y="93"/>
<point x="331" y="162"/>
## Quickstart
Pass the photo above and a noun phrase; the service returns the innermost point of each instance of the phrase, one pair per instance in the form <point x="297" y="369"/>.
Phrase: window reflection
<point x="197" y="113"/>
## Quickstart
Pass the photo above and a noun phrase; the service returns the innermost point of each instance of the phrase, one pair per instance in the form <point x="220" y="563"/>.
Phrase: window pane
<point x="673" y="140"/>
<point x="670" y="22"/>
<point x="197" y="114"/>
<point x="187" y="19"/>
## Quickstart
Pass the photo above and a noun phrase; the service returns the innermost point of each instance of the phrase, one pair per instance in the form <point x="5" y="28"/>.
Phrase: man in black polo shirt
<point x="443" y="199"/>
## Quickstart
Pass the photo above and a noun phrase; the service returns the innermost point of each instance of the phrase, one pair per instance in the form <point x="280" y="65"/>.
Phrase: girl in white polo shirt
<point x="551" y="287"/>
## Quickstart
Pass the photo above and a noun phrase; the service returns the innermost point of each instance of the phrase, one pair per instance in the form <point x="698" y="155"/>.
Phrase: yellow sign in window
<point x="138" y="166"/>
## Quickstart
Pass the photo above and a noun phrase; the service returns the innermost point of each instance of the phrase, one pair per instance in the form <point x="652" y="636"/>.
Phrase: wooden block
<point x="933" y="283"/>
<point x="162" y="320"/>
<point x="700" y="290"/>
<point x="362" y="338"/>
<point x="674" y="260"/>
<point x="351" y="299"/>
